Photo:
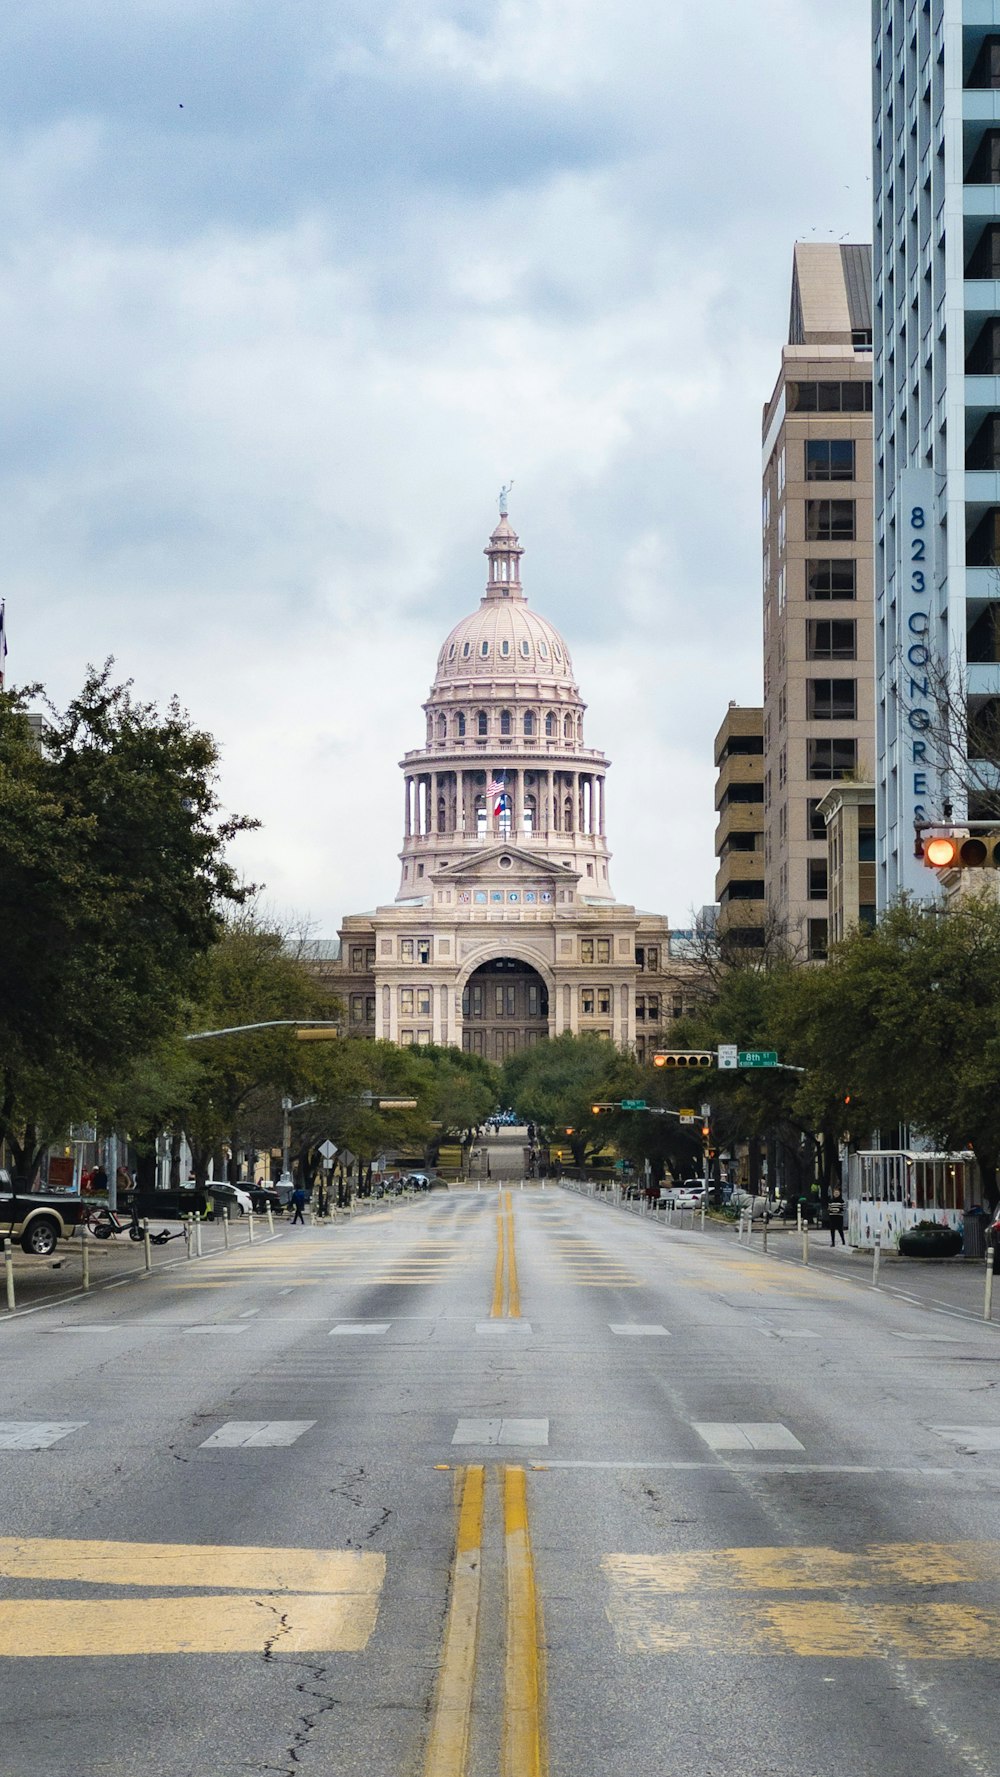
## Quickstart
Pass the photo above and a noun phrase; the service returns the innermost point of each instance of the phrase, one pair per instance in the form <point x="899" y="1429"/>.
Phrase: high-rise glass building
<point x="937" y="414"/>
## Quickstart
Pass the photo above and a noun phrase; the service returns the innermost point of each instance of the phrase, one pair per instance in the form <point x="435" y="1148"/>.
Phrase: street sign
<point x="758" y="1058"/>
<point x="728" y="1054"/>
<point x="327" y="1150"/>
<point x="688" y="1117"/>
<point x="633" y="1104"/>
<point x="706" y="1110"/>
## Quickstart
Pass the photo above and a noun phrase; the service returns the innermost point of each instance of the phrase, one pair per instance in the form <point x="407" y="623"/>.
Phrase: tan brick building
<point x="504" y="928"/>
<point x="739" y="835"/>
<point x="819" y="689"/>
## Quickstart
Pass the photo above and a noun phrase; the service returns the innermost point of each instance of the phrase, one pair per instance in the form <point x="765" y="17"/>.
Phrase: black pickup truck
<point x="37" y="1219"/>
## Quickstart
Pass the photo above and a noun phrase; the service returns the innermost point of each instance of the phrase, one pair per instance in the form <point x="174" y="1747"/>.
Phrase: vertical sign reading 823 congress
<point x="915" y="531"/>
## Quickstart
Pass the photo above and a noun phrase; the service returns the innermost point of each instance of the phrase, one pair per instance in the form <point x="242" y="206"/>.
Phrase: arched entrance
<point x="505" y="1007"/>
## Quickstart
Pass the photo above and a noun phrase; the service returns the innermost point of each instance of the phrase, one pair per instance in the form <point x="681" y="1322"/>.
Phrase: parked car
<point x="685" y="1196"/>
<point x="264" y="1197"/>
<point x="39" y="1221"/>
<point x="232" y="1197"/>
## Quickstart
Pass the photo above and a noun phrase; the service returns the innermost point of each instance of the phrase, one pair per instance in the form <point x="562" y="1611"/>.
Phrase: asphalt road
<point x="498" y="1482"/>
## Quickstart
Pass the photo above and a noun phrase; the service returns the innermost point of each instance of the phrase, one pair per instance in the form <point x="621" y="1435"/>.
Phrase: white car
<point x="687" y="1196"/>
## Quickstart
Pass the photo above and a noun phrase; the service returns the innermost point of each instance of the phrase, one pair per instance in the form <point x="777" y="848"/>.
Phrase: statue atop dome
<point x="502" y="497"/>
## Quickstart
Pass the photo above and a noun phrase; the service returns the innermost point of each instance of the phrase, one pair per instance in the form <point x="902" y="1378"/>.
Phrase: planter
<point x="930" y="1243"/>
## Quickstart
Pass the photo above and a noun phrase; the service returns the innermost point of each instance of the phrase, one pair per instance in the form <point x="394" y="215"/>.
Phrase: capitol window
<point x="505" y="649"/>
<point x="451" y="652"/>
<point x="550" y="724"/>
<point x="484" y="648"/>
<point x="568" y="728"/>
<point x="529" y="722"/>
<point x="543" y="650"/>
<point x="460" y="724"/>
<point x="466" y="650"/>
<point x="586" y="950"/>
<point x="406" y="950"/>
<point x="604" y="1001"/>
<point x="557" y="651"/>
<point x="525" y="649"/>
<point x="482" y="722"/>
<point x="587" y="1002"/>
<point x="406" y="1001"/>
<point x="505" y="722"/>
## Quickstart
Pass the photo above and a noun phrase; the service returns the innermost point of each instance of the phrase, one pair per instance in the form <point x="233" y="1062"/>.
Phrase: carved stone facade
<point x="504" y="929"/>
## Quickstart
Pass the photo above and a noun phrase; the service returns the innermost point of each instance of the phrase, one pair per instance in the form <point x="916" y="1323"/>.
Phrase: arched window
<point x="442" y="728"/>
<point x="481" y="820"/>
<point x="568" y="815"/>
<point x="568" y="728"/>
<point x="529" y="722"/>
<point x="550" y="724"/>
<point x="442" y="815"/>
<point x="579" y="728"/>
<point x="528" y="818"/>
<point x="505" y="649"/>
<point x="460" y="724"/>
<point x="505" y="722"/>
<point x="482" y="722"/>
<point x="466" y="650"/>
<point x="484" y="648"/>
<point x="525" y="649"/>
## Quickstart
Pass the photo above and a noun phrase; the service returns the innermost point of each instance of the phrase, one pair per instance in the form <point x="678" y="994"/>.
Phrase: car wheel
<point x="41" y="1238"/>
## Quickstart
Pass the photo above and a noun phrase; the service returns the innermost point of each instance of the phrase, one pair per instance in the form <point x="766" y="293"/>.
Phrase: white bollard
<point x="250" y="1226"/>
<point x="763" y="1236"/>
<point x="225" y="1227"/>
<point x="876" y="1260"/>
<point x="270" y="1219"/>
<point x="86" y="1267"/>
<point x="798" y="1216"/>
<point x="988" y="1299"/>
<point x="197" y="1237"/>
<point x="188" y="1237"/>
<point x="146" y="1248"/>
<point x="805" y="1242"/>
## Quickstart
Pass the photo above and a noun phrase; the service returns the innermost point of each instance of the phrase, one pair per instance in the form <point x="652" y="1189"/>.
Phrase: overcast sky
<point x="290" y="290"/>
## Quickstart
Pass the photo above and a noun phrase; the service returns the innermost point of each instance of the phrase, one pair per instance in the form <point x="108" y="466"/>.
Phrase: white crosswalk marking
<point x="749" y="1435"/>
<point x="257" y="1434"/>
<point x="368" y="1326"/>
<point x="969" y="1437"/>
<point x="635" y="1330"/>
<point x="36" y="1434"/>
<point x="501" y="1431"/>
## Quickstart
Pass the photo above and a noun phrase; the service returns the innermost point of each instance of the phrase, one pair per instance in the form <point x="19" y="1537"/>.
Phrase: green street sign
<point x="757" y="1058"/>
<point x="633" y="1104"/>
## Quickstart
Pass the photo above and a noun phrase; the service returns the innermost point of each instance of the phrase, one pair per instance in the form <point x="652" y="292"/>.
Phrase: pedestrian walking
<point x="835" y="1215"/>
<point x="298" y="1204"/>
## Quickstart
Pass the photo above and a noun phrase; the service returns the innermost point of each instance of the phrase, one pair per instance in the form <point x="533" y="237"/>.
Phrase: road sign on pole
<point x="633" y="1104"/>
<point x="728" y="1054"/>
<point x="758" y="1058"/>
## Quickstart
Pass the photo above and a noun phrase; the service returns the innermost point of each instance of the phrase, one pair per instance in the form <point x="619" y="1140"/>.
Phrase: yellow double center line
<point x="524" y="1741"/>
<point x="506" y="1291"/>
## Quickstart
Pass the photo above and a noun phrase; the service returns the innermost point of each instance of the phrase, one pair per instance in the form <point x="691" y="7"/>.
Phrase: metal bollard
<point x="988" y="1300"/>
<point x="805" y="1242"/>
<point x="270" y="1219"/>
<point x="86" y="1267"/>
<point x="250" y="1226"/>
<point x="197" y="1238"/>
<point x="763" y="1235"/>
<point x="798" y="1216"/>
<point x="8" y="1260"/>
<point x="750" y="1227"/>
<point x="876" y="1260"/>
<point x="147" y="1249"/>
<point x="188" y="1239"/>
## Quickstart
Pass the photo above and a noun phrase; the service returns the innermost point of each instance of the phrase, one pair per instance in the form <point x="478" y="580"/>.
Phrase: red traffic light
<point x="962" y="851"/>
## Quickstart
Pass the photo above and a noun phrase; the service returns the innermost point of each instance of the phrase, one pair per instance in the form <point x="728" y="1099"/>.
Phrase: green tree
<point x="556" y="1084"/>
<point x="114" y="882"/>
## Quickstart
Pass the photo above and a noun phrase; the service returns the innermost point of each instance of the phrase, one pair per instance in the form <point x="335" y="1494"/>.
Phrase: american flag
<point x="498" y="790"/>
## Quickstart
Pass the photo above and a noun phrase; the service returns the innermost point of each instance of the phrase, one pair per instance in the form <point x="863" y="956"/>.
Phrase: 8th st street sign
<point x="757" y="1058"/>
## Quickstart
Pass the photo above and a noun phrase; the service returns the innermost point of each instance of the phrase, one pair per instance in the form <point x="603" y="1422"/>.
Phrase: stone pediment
<point x="485" y="865"/>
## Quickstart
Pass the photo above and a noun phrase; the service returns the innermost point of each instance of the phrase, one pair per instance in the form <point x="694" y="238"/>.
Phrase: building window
<point x="604" y="1001"/>
<point x="533" y="999"/>
<point x="482" y="723"/>
<point x="460" y="725"/>
<point x="423" y="950"/>
<point x="423" y="1036"/>
<point x="357" y="959"/>
<point x="370" y="1008"/>
<point x="852" y="397"/>
<point x="604" y="950"/>
<point x="829" y="459"/>
<point x="406" y="1036"/>
<point x="550" y="724"/>
<point x="506" y="724"/>
<point x="866" y="845"/>
<point x="484" y="649"/>
<point x="406" y="1002"/>
<point x="357" y="1008"/>
<point x="827" y="579"/>
<point x="586" y="950"/>
<point x="831" y="638"/>
<point x="817" y="940"/>
<point x="831" y="700"/>
<point x="529" y="722"/>
<point x="653" y="1007"/>
<point x="816" y="879"/>
<point x="423" y="1002"/>
<point x="640" y="1008"/>
<point x="831" y="758"/>
<point x="406" y="950"/>
<point x="815" y="824"/>
<point x="587" y="1001"/>
<point x="567" y="728"/>
<point x="830" y="521"/>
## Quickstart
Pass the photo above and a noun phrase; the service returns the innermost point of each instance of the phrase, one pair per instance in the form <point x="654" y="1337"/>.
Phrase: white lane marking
<point x="257" y="1434"/>
<point x="501" y="1431"/>
<point x="935" y="1338"/>
<point x="788" y="1333"/>
<point x="248" y="1313"/>
<point x="971" y="1438"/>
<point x="120" y="1285"/>
<point x="368" y="1326"/>
<point x="634" y="1330"/>
<point x="770" y="1468"/>
<point x="503" y="1327"/>
<point x="93" y="1326"/>
<point x="213" y="1326"/>
<point x="36" y="1434"/>
<point x="746" y="1435"/>
<point x="287" y="1292"/>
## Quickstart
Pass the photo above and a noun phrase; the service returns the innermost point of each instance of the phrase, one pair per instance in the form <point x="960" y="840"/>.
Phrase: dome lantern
<point x="504" y="552"/>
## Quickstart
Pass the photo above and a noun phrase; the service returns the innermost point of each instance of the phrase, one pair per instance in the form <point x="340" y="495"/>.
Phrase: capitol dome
<point x="504" y="637"/>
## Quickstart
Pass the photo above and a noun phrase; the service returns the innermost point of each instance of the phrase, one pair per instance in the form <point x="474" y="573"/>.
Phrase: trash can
<point x="974" y="1234"/>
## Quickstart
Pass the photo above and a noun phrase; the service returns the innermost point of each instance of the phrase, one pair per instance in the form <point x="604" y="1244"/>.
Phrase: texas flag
<point x="498" y="791"/>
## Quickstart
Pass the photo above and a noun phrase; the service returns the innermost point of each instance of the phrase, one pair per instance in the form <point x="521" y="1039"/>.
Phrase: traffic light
<point x="598" y="1108"/>
<point x="696" y="1058"/>
<point x="705" y="1131"/>
<point x="958" y="849"/>
<point x="316" y="1034"/>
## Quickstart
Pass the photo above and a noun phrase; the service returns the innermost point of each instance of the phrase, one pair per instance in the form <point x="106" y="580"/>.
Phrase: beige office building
<point x="739" y="835"/>
<point x="819" y="692"/>
<point x="505" y="929"/>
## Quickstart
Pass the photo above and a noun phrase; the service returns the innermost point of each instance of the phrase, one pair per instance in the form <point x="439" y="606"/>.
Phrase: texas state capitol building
<point x="505" y="928"/>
